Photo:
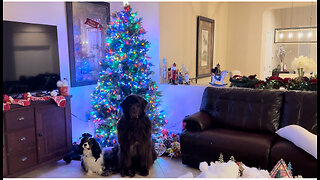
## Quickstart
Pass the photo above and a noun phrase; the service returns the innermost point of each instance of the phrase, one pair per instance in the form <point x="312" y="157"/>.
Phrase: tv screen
<point x="30" y="57"/>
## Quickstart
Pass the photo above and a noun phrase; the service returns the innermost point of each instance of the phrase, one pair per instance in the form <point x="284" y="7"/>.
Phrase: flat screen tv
<point x="30" y="57"/>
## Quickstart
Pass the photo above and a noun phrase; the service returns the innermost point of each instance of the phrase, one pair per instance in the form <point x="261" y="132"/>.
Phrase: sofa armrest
<point x="198" y="121"/>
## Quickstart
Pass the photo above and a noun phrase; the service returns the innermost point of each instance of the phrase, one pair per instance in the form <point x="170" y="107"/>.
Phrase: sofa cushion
<point x="300" y="107"/>
<point x="302" y="163"/>
<point x="243" y="108"/>
<point x="250" y="148"/>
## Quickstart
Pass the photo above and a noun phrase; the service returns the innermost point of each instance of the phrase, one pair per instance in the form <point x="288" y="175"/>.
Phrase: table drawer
<point x="20" y="161"/>
<point x="19" y="119"/>
<point x="21" y="140"/>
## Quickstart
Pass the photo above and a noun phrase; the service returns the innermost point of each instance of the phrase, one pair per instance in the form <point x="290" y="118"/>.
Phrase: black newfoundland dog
<point x="137" y="153"/>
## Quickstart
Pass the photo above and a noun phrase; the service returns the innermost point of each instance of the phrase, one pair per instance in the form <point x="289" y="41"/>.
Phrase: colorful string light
<point x="126" y="70"/>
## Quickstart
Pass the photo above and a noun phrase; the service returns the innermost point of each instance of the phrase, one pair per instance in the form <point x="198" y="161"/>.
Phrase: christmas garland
<point x="27" y="97"/>
<point x="275" y="82"/>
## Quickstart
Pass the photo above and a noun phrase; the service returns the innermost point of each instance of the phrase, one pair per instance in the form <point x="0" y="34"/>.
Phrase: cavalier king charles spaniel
<point x="94" y="160"/>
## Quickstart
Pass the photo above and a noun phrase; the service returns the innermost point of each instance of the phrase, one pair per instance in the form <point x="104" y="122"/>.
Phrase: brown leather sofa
<point x="242" y="122"/>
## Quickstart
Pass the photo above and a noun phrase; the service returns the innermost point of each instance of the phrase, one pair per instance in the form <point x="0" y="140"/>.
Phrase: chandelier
<point x="296" y="34"/>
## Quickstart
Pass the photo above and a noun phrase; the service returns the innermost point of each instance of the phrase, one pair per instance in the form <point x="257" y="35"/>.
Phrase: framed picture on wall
<point x="205" y="39"/>
<point x="86" y="23"/>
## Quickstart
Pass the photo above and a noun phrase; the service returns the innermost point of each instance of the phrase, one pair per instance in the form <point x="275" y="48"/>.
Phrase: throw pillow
<point x="300" y="137"/>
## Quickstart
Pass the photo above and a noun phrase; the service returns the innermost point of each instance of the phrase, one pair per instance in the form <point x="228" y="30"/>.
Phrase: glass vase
<point x="300" y="72"/>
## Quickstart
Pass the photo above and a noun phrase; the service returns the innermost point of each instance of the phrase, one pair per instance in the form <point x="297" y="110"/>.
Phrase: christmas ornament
<point x="165" y="132"/>
<point x="169" y="76"/>
<point x="217" y="77"/>
<point x="180" y="78"/>
<point x="174" y="137"/>
<point x="280" y="170"/>
<point x="186" y="79"/>
<point x="174" y="73"/>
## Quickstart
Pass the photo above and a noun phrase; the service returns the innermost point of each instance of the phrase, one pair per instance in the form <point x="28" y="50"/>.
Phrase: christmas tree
<point x="221" y="158"/>
<point x="232" y="159"/>
<point x="126" y="70"/>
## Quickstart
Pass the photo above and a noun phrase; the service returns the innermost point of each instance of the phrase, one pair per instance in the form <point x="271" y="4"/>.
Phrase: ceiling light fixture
<point x="296" y="34"/>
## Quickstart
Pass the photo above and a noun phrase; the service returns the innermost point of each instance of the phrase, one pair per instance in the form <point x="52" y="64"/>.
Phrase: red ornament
<point x="164" y="132"/>
<point x="127" y="8"/>
<point x="173" y="135"/>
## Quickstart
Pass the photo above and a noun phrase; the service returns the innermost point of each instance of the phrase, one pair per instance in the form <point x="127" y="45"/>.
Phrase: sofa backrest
<point x="243" y="108"/>
<point x="300" y="107"/>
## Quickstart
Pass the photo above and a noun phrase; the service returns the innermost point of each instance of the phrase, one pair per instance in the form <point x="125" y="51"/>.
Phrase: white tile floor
<point x="164" y="167"/>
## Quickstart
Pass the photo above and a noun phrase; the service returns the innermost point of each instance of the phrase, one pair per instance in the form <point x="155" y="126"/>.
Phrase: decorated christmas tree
<point x="126" y="70"/>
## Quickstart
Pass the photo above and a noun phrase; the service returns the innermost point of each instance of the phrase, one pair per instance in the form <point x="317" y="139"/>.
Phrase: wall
<point x="178" y="33"/>
<point x="300" y="18"/>
<point x="53" y="13"/>
<point x="245" y="41"/>
<point x="239" y="33"/>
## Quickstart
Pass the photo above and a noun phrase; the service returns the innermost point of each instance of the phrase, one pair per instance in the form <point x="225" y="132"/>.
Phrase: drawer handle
<point x="24" y="159"/>
<point x="23" y="139"/>
<point x="20" y="118"/>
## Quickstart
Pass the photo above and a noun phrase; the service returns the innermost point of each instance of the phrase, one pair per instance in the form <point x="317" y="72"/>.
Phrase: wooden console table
<point x="35" y="135"/>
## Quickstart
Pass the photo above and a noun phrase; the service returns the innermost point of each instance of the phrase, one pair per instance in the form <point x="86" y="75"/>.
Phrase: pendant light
<point x="293" y="35"/>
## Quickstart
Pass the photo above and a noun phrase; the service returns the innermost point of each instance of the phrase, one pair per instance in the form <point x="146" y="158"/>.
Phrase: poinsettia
<point x="276" y="78"/>
<point x="313" y="81"/>
<point x="287" y="80"/>
<point x="260" y="84"/>
<point x="236" y="77"/>
<point x="252" y="76"/>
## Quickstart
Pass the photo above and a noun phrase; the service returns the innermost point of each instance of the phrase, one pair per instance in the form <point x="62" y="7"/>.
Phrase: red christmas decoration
<point x="6" y="107"/>
<point x="164" y="132"/>
<point x="280" y="170"/>
<point x="92" y="23"/>
<point x="127" y="8"/>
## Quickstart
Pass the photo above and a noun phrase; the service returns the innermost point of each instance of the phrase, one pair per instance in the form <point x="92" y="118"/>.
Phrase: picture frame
<point x="86" y="23"/>
<point x="205" y="47"/>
